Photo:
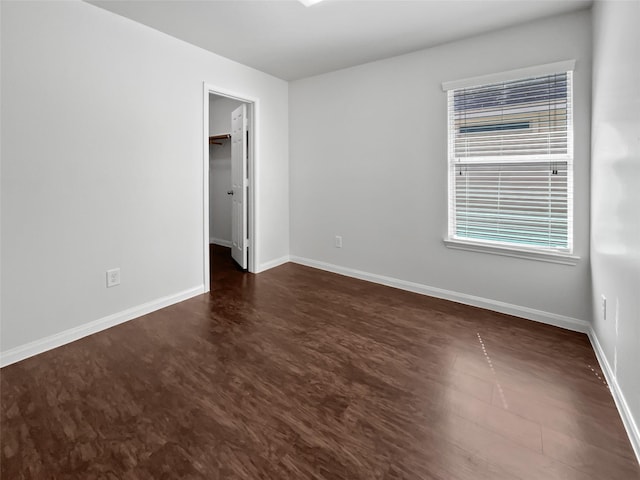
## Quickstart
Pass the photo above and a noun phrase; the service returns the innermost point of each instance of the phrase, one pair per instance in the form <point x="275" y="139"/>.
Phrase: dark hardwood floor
<point x="301" y="374"/>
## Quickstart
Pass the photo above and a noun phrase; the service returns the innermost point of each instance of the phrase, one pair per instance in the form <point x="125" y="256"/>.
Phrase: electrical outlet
<point x="338" y="241"/>
<point x="604" y="307"/>
<point x="113" y="277"/>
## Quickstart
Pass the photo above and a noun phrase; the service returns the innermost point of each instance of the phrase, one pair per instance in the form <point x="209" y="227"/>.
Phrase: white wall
<point x="220" y="204"/>
<point x="615" y="201"/>
<point x="368" y="152"/>
<point x="102" y="151"/>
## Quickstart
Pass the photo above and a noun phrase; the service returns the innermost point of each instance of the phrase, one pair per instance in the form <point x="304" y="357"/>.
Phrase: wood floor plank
<point x="603" y="429"/>
<point x="301" y="374"/>
<point x="585" y="457"/>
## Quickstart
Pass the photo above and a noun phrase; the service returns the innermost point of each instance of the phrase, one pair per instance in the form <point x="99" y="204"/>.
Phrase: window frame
<point x="513" y="249"/>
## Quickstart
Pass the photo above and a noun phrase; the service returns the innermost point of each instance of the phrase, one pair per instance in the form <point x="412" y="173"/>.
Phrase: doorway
<point x="229" y="161"/>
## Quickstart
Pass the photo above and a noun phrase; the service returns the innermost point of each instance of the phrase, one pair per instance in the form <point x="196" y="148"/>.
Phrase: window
<point x="510" y="162"/>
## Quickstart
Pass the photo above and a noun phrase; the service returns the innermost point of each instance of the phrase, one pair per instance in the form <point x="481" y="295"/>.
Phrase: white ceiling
<point x="291" y="41"/>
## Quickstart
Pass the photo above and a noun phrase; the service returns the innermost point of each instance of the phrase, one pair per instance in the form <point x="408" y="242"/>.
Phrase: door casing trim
<point x="252" y="174"/>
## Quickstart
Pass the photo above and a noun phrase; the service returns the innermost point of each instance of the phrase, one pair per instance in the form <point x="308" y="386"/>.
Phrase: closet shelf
<point x="224" y="136"/>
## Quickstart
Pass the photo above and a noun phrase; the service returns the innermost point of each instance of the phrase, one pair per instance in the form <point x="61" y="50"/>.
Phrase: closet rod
<point x="213" y="138"/>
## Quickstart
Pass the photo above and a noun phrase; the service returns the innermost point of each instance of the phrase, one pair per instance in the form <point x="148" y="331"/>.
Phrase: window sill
<point x="552" y="257"/>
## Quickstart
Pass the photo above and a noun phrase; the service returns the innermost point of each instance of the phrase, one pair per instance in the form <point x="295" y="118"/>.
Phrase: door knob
<point x="229" y="192"/>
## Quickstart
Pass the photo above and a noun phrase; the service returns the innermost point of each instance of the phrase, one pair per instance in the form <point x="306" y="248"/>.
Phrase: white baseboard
<point x="629" y="422"/>
<point x="563" y="321"/>
<point x="273" y="263"/>
<point x="62" y="338"/>
<point x="220" y="241"/>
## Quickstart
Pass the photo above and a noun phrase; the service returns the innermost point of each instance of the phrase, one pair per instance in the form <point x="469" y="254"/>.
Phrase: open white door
<point x="239" y="162"/>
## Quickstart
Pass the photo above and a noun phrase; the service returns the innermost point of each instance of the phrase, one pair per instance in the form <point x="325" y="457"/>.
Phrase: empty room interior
<point x="307" y="239"/>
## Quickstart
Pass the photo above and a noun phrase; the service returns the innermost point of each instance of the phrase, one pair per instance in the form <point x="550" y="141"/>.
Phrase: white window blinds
<point x="510" y="162"/>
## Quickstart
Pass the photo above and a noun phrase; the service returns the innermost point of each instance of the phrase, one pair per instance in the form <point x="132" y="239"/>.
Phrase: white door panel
<point x="239" y="156"/>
